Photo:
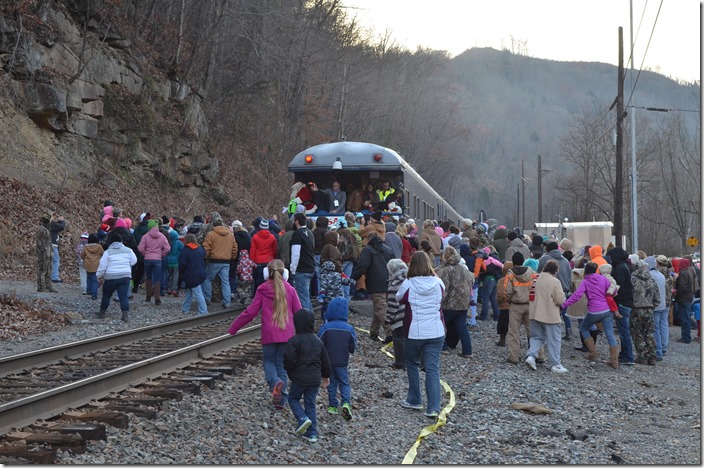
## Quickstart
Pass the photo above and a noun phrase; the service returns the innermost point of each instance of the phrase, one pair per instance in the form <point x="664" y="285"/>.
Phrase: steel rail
<point x="22" y="412"/>
<point x="16" y="363"/>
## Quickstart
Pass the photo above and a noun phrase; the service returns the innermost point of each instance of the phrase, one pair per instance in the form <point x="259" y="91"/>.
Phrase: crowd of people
<point x="429" y="283"/>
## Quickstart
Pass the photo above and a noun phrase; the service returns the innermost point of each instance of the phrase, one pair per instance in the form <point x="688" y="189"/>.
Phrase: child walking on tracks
<point x="307" y="364"/>
<point x="340" y="340"/>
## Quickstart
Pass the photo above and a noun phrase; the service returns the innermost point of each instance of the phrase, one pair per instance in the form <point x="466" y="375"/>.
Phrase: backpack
<point x="292" y="206"/>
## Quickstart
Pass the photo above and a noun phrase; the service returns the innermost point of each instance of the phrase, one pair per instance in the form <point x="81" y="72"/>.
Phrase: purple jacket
<point x="264" y="301"/>
<point x="595" y="287"/>
<point x="153" y="245"/>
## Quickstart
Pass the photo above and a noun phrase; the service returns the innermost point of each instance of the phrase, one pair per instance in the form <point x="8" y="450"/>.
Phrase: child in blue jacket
<point x="340" y="340"/>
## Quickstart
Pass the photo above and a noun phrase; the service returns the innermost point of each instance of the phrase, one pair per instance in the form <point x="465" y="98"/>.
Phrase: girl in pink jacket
<point x="153" y="246"/>
<point x="277" y="300"/>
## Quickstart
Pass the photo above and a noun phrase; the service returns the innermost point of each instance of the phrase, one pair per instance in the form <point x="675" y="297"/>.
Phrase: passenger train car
<point x="355" y="164"/>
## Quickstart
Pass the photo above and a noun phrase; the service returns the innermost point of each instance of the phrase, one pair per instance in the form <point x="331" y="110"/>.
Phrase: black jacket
<point x="306" y="360"/>
<point x="244" y="242"/>
<point x="372" y="263"/>
<point x="126" y="237"/>
<point x="622" y="274"/>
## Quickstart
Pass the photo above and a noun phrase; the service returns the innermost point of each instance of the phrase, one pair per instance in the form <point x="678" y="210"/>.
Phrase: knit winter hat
<point x="566" y="244"/>
<point x="152" y="223"/>
<point x="376" y="215"/>
<point x="551" y="246"/>
<point x="236" y="223"/>
<point x="84" y="235"/>
<point x="511" y="235"/>
<point x="264" y="224"/>
<point x="517" y="258"/>
<point x="531" y="263"/>
<point x="455" y="242"/>
<point x="197" y="219"/>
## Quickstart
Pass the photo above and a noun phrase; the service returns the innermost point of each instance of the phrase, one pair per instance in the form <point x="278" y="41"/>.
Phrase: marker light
<point x="309" y="158"/>
<point x="377" y="157"/>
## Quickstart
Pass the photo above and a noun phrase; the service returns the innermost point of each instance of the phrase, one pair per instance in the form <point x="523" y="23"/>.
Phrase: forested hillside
<point x="186" y="106"/>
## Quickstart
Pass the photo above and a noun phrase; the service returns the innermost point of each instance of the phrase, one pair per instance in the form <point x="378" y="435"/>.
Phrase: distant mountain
<point x="518" y="107"/>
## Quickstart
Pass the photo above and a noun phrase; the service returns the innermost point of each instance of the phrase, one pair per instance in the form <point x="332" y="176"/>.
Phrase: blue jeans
<point x="624" y="333"/>
<point x="568" y="322"/>
<point x="301" y="283"/>
<point x="488" y="292"/>
<point x="122" y="286"/>
<point x="273" y="358"/>
<point x="472" y="318"/>
<point x="457" y="319"/>
<point x="152" y="271"/>
<point x="339" y="379"/>
<point x="347" y="270"/>
<point x="662" y="331"/>
<point x="164" y="276"/>
<point x="55" y="263"/>
<point x="607" y="320"/>
<point x="684" y="312"/>
<point x="92" y="284"/>
<point x="196" y="293"/>
<point x="294" y="402"/>
<point x="223" y="271"/>
<point x="430" y="349"/>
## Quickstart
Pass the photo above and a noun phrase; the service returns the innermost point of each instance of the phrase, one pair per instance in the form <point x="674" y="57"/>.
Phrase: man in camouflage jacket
<point x="44" y="255"/>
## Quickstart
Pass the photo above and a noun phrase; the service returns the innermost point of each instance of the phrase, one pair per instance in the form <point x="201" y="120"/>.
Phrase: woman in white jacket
<point x="424" y="332"/>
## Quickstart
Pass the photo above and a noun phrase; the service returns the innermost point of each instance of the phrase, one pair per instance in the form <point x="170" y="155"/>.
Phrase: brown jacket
<point x="91" y="254"/>
<point x="330" y="251"/>
<point x="220" y="245"/>
<point x="373" y="226"/>
<point x="433" y="238"/>
<point x="545" y="307"/>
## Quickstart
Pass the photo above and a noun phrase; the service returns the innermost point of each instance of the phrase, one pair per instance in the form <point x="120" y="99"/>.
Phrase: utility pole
<point x="540" y="189"/>
<point x="518" y="206"/>
<point x="523" y="196"/>
<point x="618" y="185"/>
<point x="634" y="166"/>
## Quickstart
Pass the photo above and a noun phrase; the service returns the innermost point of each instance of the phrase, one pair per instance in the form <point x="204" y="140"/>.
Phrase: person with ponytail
<point x="277" y="300"/>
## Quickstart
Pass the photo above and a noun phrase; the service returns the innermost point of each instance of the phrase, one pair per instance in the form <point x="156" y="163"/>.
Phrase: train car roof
<point x="354" y="156"/>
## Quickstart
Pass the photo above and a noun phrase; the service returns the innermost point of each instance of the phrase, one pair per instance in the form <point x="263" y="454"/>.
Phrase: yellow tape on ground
<point x="442" y="419"/>
<point x="385" y="349"/>
<point x="361" y="329"/>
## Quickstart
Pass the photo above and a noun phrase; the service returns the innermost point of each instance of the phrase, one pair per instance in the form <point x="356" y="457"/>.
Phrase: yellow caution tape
<point x="385" y="349"/>
<point x="361" y="329"/>
<point x="442" y="419"/>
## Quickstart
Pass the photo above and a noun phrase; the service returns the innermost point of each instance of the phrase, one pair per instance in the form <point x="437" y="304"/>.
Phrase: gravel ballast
<point x="636" y="415"/>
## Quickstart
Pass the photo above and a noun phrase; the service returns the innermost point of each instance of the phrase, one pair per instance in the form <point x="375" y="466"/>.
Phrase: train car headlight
<point x="308" y="159"/>
<point x="378" y="157"/>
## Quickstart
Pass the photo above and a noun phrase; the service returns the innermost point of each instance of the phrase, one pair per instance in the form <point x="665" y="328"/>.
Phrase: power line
<point x="652" y="31"/>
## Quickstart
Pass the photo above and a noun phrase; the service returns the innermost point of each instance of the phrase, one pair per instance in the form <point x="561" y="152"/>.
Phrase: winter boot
<point x="582" y="348"/>
<point x="148" y="290"/>
<point x="594" y="334"/>
<point x="614" y="350"/>
<point x="589" y="343"/>
<point x="157" y="293"/>
<point x="502" y="340"/>
<point x="100" y="314"/>
<point x="125" y="316"/>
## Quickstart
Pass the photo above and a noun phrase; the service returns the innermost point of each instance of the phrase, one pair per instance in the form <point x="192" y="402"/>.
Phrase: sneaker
<point x="405" y="404"/>
<point x="277" y="393"/>
<point x="347" y="411"/>
<point x="530" y="360"/>
<point x="431" y="414"/>
<point x="558" y="369"/>
<point x="312" y="439"/>
<point x="304" y="426"/>
<point x="465" y="355"/>
<point x="333" y="410"/>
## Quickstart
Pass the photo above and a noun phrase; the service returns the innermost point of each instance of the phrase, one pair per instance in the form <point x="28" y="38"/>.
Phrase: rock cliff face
<point x="78" y="101"/>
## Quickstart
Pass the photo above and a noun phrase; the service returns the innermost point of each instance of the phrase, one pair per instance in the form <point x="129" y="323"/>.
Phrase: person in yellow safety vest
<point x="385" y="194"/>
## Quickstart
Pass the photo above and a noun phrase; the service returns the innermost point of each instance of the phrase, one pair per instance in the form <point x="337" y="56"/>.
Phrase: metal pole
<point x="618" y="185"/>
<point x="634" y="171"/>
<point x="518" y="205"/>
<point x="540" y="190"/>
<point x="523" y="196"/>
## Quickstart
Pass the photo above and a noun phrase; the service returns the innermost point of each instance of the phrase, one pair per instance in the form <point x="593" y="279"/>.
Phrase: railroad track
<point x="181" y="355"/>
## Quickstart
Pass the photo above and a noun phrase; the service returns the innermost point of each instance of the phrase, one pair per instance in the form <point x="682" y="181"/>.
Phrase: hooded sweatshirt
<point x="263" y="247"/>
<point x="516" y="245"/>
<point x="306" y="360"/>
<point x="646" y="294"/>
<point x="595" y="287"/>
<point x="518" y="285"/>
<point x="501" y="242"/>
<point x="191" y="265"/>
<point x="264" y="301"/>
<point x="564" y="274"/>
<point x="175" y="252"/>
<point x="153" y="245"/>
<point x="596" y="254"/>
<point x="423" y="298"/>
<point x="337" y="335"/>
<point x="622" y="274"/>
<point x="330" y="251"/>
<point x="116" y="262"/>
<point x="686" y="282"/>
<point x="394" y="313"/>
<point x="393" y="241"/>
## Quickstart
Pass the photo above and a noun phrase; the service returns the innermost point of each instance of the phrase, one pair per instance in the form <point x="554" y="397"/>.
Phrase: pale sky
<point x="564" y="30"/>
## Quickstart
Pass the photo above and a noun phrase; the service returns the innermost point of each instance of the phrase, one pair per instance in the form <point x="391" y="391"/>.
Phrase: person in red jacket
<point x="262" y="251"/>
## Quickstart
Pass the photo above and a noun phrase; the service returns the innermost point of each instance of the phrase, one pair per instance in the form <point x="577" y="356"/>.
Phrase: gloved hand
<point x="321" y="298"/>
